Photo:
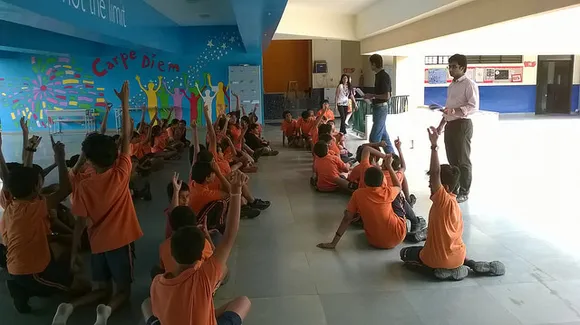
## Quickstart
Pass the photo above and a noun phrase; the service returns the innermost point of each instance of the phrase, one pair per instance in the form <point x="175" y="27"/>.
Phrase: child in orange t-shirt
<point x="327" y="168"/>
<point x="178" y="193"/>
<point x="373" y="204"/>
<point x="289" y="130"/>
<point x="181" y="217"/>
<point x="34" y="267"/>
<point x="185" y="296"/>
<point x="326" y="111"/>
<point x="444" y="252"/>
<point x="104" y="198"/>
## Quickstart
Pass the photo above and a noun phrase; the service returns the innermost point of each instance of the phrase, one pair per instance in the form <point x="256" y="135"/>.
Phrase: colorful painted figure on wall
<point x="220" y="94"/>
<point x="177" y="95"/>
<point x="151" y="93"/>
<point x="194" y="103"/>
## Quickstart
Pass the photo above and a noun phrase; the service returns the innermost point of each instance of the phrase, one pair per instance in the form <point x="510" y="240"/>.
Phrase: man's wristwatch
<point x="434" y="147"/>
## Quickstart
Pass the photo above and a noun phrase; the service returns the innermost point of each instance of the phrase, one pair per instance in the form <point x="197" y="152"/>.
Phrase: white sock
<point x="63" y="312"/>
<point x="103" y="313"/>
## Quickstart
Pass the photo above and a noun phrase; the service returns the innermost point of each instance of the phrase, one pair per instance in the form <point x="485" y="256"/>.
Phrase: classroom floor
<point x="524" y="210"/>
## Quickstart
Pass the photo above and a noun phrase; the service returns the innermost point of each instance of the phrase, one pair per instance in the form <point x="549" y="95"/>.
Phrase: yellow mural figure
<point x="151" y="93"/>
<point x="220" y="95"/>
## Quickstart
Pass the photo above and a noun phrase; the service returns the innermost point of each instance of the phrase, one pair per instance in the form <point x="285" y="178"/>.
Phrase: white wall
<point x="410" y="79"/>
<point x="576" y="77"/>
<point x="300" y="20"/>
<point x="387" y="14"/>
<point x="529" y="77"/>
<point x="331" y="52"/>
<point x="351" y="59"/>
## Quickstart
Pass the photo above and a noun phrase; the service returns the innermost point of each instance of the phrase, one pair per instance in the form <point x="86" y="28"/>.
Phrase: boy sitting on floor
<point x="327" y="168"/>
<point x="34" y="268"/>
<point x="185" y="296"/>
<point x="289" y="130"/>
<point x="178" y="196"/>
<point x="326" y="111"/>
<point x="444" y="252"/>
<point x="373" y="204"/>
<point x="104" y="198"/>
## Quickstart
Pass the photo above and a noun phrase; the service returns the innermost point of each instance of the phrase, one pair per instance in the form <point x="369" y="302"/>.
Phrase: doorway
<point x="554" y="84"/>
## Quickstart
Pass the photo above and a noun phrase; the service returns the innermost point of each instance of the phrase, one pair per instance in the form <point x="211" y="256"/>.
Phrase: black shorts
<point x="56" y="278"/>
<point x="227" y="318"/>
<point x="399" y="205"/>
<point x="116" y="265"/>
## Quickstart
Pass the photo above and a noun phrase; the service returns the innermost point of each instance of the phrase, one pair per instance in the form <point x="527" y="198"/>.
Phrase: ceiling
<point x="333" y="6"/>
<point x="196" y="12"/>
<point x="519" y="36"/>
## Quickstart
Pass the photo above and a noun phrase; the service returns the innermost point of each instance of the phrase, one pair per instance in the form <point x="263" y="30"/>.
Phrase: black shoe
<point x="19" y="297"/>
<point x="412" y="200"/>
<point x="248" y="212"/>
<point x="462" y="198"/>
<point x="313" y="181"/>
<point x="419" y="225"/>
<point x="260" y="204"/>
<point x="417" y="237"/>
<point x="456" y="274"/>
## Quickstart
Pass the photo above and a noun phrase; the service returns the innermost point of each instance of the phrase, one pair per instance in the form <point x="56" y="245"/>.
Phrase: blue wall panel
<point x="501" y="99"/>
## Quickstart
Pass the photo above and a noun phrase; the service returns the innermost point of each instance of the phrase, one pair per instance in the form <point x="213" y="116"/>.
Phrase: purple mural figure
<point x="177" y="95"/>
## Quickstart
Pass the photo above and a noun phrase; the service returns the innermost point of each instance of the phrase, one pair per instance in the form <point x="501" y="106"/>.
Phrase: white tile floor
<point x="524" y="210"/>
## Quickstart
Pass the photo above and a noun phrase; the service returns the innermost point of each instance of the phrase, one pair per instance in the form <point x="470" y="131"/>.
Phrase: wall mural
<point x="31" y="85"/>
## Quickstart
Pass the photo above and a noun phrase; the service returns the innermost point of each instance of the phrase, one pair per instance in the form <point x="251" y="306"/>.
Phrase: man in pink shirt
<point x="462" y="102"/>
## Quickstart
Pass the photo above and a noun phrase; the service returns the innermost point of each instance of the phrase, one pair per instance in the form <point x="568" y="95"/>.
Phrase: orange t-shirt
<point x="400" y="176"/>
<point x="187" y="299"/>
<point x="289" y="128"/>
<point x="167" y="262"/>
<point x="314" y="136"/>
<point x="383" y="228"/>
<point x="329" y="114"/>
<point x="236" y="133"/>
<point x="171" y="132"/>
<point x="25" y="235"/>
<point x="136" y="150"/>
<point x="334" y="148"/>
<point x="223" y="163"/>
<point x="307" y="125"/>
<point x="327" y="169"/>
<point x="159" y="144"/>
<point x="364" y="165"/>
<point x="355" y="174"/>
<point x="444" y="247"/>
<point x="106" y="201"/>
<point x="201" y="195"/>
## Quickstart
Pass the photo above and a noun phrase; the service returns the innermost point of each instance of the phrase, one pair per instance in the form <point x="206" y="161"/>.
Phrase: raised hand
<point x="177" y="183"/>
<point x="58" y="147"/>
<point x="109" y="106"/>
<point x="389" y="160"/>
<point x="398" y="143"/>
<point x="193" y="124"/>
<point x="124" y="93"/>
<point x="433" y="135"/>
<point x="239" y="179"/>
<point x="24" y="124"/>
<point x="33" y="142"/>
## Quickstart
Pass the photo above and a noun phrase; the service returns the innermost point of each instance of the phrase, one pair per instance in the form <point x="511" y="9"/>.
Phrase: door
<point x="554" y="84"/>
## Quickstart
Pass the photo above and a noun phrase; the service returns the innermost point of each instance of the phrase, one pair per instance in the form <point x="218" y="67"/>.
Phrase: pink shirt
<point x="463" y="97"/>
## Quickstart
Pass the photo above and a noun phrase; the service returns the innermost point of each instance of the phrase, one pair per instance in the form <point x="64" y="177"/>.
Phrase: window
<point x="494" y="59"/>
<point x="476" y="59"/>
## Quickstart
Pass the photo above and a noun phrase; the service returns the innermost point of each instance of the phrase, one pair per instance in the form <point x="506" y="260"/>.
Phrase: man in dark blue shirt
<point x="381" y="103"/>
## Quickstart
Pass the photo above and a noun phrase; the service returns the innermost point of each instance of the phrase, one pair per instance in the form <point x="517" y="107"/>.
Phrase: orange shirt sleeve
<point x="340" y="164"/>
<point x="352" y="206"/>
<point x="212" y="270"/>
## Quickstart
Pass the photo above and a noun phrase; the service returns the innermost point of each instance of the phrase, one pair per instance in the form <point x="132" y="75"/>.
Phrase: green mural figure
<point x="163" y="97"/>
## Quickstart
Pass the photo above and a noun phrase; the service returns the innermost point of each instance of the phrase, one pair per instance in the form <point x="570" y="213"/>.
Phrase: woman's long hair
<point x="348" y="84"/>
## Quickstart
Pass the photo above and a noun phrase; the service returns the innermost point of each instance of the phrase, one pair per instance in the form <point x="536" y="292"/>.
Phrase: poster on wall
<point x="438" y="76"/>
<point x="246" y="89"/>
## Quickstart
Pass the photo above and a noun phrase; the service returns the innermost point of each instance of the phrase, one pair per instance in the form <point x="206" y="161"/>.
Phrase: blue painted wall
<point x="31" y="84"/>
<point x="501" y="99"/>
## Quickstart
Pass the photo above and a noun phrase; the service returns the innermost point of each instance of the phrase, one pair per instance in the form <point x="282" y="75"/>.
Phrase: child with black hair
<point x="444" y="253"/>
<point x="305" y="125"/>
<point x="327" y="168"/>
<point x="213" y="155"/>
<point x="373" y="204"/>
<point x="258" y="145"/>
<point x="289" y="130"/>
<point x="185" y="296"/>
<point x="325" y="111"/>
<point x="178" y="194"/>
<point x="105" y="199"/>
<point x="34" y="268"/>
